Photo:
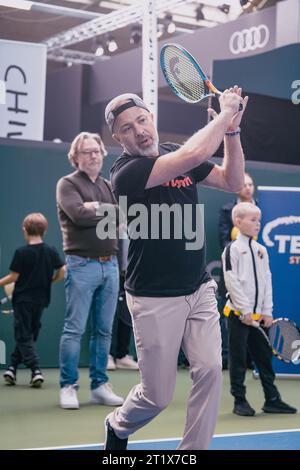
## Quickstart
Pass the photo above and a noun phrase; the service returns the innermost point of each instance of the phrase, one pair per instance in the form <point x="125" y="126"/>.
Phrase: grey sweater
<point x="78" y="223"/>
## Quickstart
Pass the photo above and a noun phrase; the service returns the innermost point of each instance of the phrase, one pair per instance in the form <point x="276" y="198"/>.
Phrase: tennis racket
<point x="8" y="289"/>
<point x="185" y="76"/>
<point x="283" y="337"/>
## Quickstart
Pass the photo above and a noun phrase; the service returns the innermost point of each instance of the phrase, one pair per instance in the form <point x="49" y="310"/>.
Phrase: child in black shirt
<point x="32" y="270"/>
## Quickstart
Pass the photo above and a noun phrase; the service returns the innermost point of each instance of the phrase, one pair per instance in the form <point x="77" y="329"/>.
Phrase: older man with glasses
<point x="92" y="274"/>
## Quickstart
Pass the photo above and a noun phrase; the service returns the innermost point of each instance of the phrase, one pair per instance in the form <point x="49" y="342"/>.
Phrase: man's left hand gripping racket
<point x="185" y="76"/>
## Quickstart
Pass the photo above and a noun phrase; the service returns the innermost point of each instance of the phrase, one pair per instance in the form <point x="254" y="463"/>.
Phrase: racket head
<point x="284" y="339"/>
<point x="184" y="75"/>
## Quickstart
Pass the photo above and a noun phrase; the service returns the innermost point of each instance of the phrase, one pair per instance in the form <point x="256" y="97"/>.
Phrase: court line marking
<point x="143" y="441"/>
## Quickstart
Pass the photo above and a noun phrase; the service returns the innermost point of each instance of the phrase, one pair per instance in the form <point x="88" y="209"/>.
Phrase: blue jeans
<point x="91" y="291"/>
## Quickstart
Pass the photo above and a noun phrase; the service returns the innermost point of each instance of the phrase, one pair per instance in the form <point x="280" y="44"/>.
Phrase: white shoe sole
<point x="69" y="407"/>
<point x="97" y="401"/>
<point x="37" y="383"/>
<point x="127" y="367"/>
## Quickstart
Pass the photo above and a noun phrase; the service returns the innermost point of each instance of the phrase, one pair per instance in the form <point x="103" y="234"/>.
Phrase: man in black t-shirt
<point x="32" y="269"/>
<point x="170" y="296"/>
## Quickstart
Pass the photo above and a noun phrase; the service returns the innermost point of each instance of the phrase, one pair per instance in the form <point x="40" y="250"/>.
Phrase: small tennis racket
<point x="8" y="289"/>
<point x="283" y="337"/>
<point x="185" y="76"/>
<point x="7" y="311"/>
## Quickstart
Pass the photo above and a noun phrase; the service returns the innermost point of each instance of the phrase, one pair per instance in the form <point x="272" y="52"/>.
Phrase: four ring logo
<point x="250" y="39"/>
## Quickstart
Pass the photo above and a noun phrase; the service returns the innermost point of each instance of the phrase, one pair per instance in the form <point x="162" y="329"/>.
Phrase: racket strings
<point x="183" y="75"/>
<point x="282" y="336"/>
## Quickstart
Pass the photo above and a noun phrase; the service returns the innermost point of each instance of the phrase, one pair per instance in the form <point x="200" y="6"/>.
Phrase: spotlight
<point x="199" y="12"/>
<point x="136" y="34"/>
<point x="97" y="47"/>
<point x="99" y="51"/>
<point x="170" y="26"/>
<point x="111" y="44"/>
<point x="160" y="30"/>
<point x="224" y="8"/>
<point x="250" y="5"/>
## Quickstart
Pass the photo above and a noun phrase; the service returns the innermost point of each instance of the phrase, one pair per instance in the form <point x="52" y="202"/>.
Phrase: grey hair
<point x="77" y="143"/>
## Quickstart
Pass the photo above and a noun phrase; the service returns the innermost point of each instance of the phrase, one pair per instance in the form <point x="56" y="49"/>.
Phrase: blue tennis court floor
<point x="267" y="440"/>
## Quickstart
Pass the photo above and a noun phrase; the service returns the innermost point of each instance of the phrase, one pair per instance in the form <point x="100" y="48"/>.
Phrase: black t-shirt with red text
<point x="159" y="263"/>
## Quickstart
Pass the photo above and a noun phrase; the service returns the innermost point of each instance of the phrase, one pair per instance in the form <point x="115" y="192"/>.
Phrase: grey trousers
<point x="161" y="325"/>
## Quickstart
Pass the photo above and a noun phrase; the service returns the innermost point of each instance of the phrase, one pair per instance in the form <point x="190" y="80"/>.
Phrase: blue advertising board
<point x="280" y="234"/>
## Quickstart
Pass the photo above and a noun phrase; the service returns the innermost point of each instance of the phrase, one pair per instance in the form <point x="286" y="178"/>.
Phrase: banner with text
<point x="23" y="71"/>
<point x="280" y="233"/>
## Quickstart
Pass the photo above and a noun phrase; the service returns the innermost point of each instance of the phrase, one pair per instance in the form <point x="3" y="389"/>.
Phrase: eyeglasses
<point x="89" y="152"/>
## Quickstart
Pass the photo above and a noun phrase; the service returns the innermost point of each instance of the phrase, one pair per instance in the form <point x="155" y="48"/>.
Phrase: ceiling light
<point x="112" y="46"/>
<point x="169" y="23"/>
<point x="99" y="51"/>
<point x="136" y="34"/>
<point x="160" y="30"/>
<point x="224" y="8"/>
<point x="199" y="12"/>
<point x="252" y="5"/>
<point x="97" y="47"/>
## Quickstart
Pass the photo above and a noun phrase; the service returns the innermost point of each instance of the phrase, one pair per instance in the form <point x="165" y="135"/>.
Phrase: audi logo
<point x="250" y="39"/>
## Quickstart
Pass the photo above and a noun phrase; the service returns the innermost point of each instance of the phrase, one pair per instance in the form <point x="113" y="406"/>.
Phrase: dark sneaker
<point x="112" y="441"/>
<point x="10" y="376"/>
<point x="36" y="379"/>
<point x="243" y="409"/>
<point x="278" y="406"/>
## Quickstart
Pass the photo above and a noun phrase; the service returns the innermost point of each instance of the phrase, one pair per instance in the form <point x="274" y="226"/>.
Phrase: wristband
<point x="232" y="133"/>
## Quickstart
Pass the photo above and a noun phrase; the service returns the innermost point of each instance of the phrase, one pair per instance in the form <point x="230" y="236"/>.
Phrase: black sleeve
<point x="16" y="264"/>
<point x="225" y="227"/>
<point x="57" y="261"/>
<point x="130" y="176"/>
<point x="202" y="171"/>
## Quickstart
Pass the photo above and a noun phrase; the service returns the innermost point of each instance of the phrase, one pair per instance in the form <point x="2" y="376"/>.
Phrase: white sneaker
<point x="103" y="395"/>
<point x="111" y="365"/>
<point x="36" y="379"/>
<point x="68" y="398"/>
<point x="127" y="362"/>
